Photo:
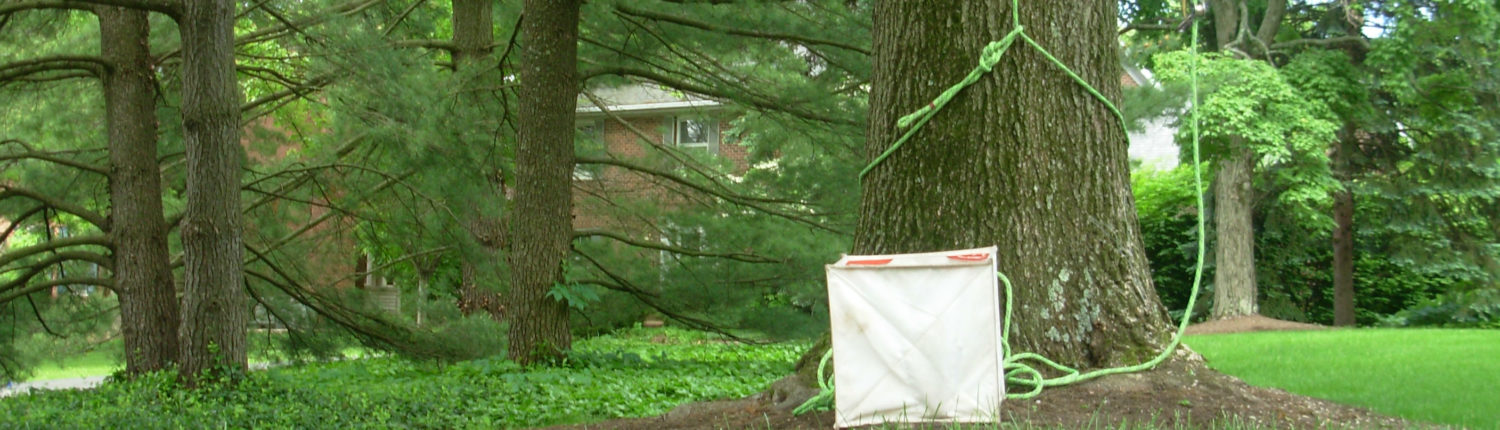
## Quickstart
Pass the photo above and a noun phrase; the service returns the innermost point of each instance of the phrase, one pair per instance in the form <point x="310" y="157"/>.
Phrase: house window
<point x="697" y="134"/>
<point x="588" y="142"/>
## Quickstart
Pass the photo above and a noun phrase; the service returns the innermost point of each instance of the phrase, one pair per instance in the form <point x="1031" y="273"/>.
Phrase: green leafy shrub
<point x="1472" y="309"/>
<point x="636" y="373"/>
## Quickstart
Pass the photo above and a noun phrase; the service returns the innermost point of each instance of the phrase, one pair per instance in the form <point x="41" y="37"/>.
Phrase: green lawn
<point x="98" y="362"/>
<point x="1433" y="375"/>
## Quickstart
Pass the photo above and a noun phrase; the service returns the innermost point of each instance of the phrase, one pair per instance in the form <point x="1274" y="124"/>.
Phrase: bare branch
<point x="427" y="43"/>
<point x="736" y="256"/>
<point x="53" y="158"/>
<point x="16" y="223"/>
<point x="8" y="191"/>
<point x="712" y="92"/>
<point x="169" y="8"/>
<point x="16" y="291"/>
<point x="22" y="70"/>
<point x="744" y="201"/>
<point x="623" y="285"/>
<point x="684" y="21"/>
<point x="1356" y="40"/>
<point x="53" y="245"/>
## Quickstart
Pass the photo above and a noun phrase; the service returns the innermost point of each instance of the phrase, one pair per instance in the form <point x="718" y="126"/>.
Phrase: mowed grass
<point x="93" y="363"/>
<point x="1444" y="376"/>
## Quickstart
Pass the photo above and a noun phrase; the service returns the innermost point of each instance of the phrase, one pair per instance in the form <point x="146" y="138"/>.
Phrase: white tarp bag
<point x="916" y="338"/>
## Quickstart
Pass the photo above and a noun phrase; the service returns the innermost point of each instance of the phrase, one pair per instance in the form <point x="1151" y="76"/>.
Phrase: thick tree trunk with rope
<point x="149" y="313"/>
<point x="1025" y="159"/>
<point x="541" y="229"/>
<point x="215" y="310"/>
<point x="1234" y="276"/>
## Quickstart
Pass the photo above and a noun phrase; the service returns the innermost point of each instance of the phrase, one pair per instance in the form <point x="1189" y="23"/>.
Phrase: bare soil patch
<point x="1182" y="391"/>
<point x="1249" y="323"/>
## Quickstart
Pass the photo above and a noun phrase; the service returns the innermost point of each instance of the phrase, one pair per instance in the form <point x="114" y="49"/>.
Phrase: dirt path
<point x="1249" y="323"/>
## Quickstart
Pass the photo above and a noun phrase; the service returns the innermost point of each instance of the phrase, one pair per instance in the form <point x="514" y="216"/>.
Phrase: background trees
<point x="391" y="130"/>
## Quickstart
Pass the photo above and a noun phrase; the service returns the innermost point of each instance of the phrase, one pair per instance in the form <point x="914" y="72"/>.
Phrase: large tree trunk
<point x="143" y="278"/>
<point x="1343" y="236"/>
<point x="1234" y="273"/>
<point x="1024" y="159"/>
<point x="541" y="221"/>
<point x="214" y="306"/>
<point x="473" y="35"/>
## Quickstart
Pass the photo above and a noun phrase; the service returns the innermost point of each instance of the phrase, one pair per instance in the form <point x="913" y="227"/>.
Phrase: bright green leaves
<point x="1251" y="104"/>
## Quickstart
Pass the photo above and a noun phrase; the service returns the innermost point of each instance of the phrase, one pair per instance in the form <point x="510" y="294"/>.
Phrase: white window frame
<point x="710" y="143"/>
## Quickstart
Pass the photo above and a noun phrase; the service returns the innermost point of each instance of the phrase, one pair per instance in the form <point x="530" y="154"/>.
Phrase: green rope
<point x="1016" y="372"/>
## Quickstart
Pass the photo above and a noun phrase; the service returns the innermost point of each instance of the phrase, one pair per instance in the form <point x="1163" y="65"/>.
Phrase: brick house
<point x="633" y="120"/>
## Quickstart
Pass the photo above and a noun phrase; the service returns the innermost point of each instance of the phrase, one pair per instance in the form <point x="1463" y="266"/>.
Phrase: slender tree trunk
<point x="1234" y="274"/>
<point x="1234" y="257"/>
<point x="541" y="223"/>
<point x="215" y="312"/>
<point x="1343" y="236"/>
<point x="149" y="316"/>
<point x="1024" y="159"/>
<point x="473" y="34"/>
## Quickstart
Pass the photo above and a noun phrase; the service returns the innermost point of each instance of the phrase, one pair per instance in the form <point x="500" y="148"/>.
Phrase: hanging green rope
<point x="1017" y="372"/>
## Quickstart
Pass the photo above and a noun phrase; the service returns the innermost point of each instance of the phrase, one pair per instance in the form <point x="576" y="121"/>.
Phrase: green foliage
<point x="1292" y="263"/>
<point x="1474" y="309"/>
<point x="1166" y="208"/>
<point x="608" y="377"/>
<point x="1248" y="104"/>
<point x="1424" y="375"/>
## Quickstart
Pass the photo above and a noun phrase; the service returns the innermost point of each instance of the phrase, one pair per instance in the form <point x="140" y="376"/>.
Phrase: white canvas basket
<point x="916" y="338"/>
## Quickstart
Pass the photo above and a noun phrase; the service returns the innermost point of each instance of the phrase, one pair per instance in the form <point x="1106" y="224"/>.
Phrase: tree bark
<point x="541" y="221"/>
<point x="1234" y="255"/>
<point x="149" y="314"/>
<point x="1234" y="274"/>
<point x="1024" y="159"/>
<point x="473" y="34"/>
<point x="1343" y="236"/>
<point x="215" y="312"/>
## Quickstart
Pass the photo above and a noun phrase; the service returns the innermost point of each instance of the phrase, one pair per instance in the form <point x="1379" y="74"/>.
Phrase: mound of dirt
<point x="1182" y="391"/>
<point x="1249" y="323"/>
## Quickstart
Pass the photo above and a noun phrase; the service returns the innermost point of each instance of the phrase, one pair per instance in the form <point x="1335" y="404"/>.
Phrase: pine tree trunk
<point x="1343" y="238"/>
<point x="541" y="229"/>
<point x="215" y="312"/>
<point x="149" y="316"/>
<point x="473" y="34"/>
<point x="1024" y="159"/>
<point x="1234" y="273"/>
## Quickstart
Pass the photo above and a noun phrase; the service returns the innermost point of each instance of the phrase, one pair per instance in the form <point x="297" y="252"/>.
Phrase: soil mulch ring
<point x="1181" y="392"/>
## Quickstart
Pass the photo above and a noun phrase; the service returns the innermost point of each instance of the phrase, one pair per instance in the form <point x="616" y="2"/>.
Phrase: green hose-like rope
<point x="1017" y="372"/>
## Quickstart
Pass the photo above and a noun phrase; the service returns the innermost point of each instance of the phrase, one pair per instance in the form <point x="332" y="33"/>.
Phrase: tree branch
<point x="684" y="21"/>
<point x="15" y="291"/>
<point x="43" y="156"/>
<point x="53" y="245"/>
<point x="748" y="202"/>
<point x="19" y="70"/>
<point x="711" y="92"/>
<point x="169" y="8"/>
<point x="8" y="191"/>
<point x="1357" y="40"/>
<point x="736" y="256"/>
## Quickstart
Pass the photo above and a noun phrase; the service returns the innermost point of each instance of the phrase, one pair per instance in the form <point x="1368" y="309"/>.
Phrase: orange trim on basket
<point x="969" y="257"/>
<point x="876" y="262"/>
